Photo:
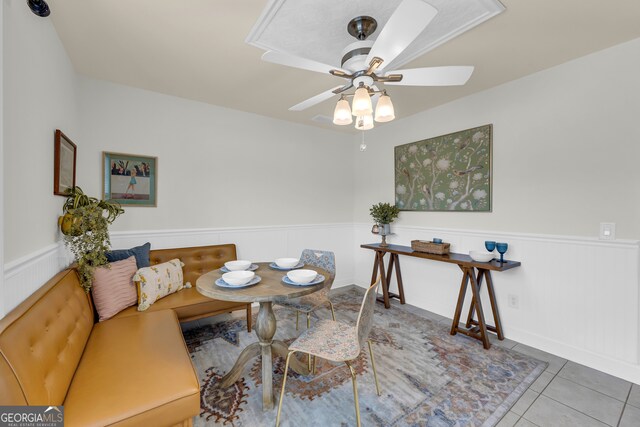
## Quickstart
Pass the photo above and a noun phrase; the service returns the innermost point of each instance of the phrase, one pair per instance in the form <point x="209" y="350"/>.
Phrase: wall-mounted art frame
<point x="130" y="179"/>
<point x="64" y="164"/>
<point x="447" y="173"/>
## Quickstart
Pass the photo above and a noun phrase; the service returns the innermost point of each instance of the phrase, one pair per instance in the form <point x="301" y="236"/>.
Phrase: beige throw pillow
<point x="113" y="288"/>
<point x="158" y="281"/>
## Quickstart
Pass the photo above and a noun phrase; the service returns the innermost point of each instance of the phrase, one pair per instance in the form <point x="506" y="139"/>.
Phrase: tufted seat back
<point x="197" y="260"/>
<point x="42" y="341"/>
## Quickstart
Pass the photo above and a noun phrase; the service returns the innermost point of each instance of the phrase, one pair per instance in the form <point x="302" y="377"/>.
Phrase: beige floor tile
<point x="596" y="380"/>
<point x="585" y="400"/>
<point x="543" y="380"/>
<point x="509" y="420"/>
<point x="547" y="412"/>
<point x="630" y="417"/>
<point x="634" y="396"/>
<point x="524" y="402"/>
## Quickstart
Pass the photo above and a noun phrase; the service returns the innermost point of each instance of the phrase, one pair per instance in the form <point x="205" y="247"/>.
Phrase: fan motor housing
<point x="354" y="56"/>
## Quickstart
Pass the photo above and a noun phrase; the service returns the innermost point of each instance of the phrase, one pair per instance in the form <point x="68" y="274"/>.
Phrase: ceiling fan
<point x="364" y="63"/>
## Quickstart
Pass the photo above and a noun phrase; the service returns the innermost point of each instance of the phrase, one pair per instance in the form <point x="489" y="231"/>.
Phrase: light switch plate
<point x="607" y="231"/>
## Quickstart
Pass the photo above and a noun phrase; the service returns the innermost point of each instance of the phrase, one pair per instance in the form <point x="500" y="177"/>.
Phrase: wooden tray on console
<point x="430" y="247"/>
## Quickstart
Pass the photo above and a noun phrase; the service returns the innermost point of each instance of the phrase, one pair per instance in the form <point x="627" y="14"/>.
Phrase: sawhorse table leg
<point x="480" y="327"/>
<point x="494" y="306"/>
<point x="385" y="277"/>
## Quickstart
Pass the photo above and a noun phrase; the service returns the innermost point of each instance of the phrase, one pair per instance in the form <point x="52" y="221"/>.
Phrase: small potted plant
<point x="85" y="226"/>
<point x="384" y="214"/>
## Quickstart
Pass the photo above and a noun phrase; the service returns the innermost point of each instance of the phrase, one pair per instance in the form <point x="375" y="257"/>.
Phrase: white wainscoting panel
<point x="258" y="243"/>
<point x="25" y="275"/>
<point x="578" y="297"/>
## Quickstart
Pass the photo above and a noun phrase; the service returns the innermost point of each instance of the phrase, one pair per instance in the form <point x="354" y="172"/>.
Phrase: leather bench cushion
<point x="197" y="260"/>
<point x="134" y="371"/>
<point x="187" y="303"/>
<point x="42" y="341"/>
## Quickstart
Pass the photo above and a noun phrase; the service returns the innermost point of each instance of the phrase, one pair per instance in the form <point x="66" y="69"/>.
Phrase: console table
<point x="473" y="274"/>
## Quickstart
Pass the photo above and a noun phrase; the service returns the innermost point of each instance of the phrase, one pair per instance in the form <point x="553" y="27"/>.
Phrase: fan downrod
<point x="362" y="27"/>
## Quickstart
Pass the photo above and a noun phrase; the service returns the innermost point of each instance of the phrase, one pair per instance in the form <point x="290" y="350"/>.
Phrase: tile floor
<point x="565" y="395"/>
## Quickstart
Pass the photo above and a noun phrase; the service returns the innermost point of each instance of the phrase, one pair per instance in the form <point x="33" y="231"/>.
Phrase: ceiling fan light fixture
<point x="384" y="109"/>
<point x="364" y="122"/>
<point x="361" y="105"/>
<point x="342" y="113"/>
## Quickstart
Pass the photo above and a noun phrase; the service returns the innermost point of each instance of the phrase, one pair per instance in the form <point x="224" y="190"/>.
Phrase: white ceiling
<point x="196" y="49"/>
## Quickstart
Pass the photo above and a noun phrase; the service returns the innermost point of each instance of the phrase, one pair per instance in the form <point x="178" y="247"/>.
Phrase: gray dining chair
<point x="338" y="342"/>
<point x="309" y="303"/>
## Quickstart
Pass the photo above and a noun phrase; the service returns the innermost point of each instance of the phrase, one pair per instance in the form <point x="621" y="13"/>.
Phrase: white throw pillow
<point x="158" y="281"/>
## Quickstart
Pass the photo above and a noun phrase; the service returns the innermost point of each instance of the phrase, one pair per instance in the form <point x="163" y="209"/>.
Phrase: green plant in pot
<point x="85" y="226"/>
<point x="384" y="214"/>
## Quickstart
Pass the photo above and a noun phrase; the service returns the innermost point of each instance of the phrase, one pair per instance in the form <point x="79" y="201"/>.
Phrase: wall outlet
<point x="513" y="301"/>
<point x="607" y="231"/>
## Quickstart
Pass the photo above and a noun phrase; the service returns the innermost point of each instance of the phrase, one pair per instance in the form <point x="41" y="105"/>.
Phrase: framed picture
<point x="64" y="164"/>
<point x="447" y="173"/>
<point x="130" y="179"/>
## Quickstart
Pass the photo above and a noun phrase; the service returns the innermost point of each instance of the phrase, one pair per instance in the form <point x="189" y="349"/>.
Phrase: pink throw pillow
<point x="113" y="289"/>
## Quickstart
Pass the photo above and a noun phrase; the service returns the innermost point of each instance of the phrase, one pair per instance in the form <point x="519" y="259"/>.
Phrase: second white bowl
<point x="481" y="256"/>
<point x="302" y="276"/>
<point x="287" y="262"/>
<point x="238" y="265"/>
<point x="238" y="277"/>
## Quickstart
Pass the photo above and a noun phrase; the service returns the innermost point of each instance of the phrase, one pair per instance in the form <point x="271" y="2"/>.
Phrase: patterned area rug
<point x="428" y="377"/>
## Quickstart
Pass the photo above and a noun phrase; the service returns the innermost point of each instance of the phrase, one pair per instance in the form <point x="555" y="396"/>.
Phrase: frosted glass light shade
<point x="361" y="103"/>
<point x="342" y="113"/>
<point x="384" y="109"/>
<point x="364" y="122"/>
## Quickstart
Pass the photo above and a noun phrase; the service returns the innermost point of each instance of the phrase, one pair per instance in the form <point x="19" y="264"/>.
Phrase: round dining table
<point x="270" y="289"/>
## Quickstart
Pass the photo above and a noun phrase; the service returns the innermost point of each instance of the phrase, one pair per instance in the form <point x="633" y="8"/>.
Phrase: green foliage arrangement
<point x="384" y="213"/>
<point x="86" y="231"/>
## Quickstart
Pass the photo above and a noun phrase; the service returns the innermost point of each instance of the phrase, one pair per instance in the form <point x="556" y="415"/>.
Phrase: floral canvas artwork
<point x="446" y="173"/>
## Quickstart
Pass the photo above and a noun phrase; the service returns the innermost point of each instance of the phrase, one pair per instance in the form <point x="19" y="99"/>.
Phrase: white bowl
<point x="238" y="265"/>
<point x="302" y="276"/>
<point x="481" y="256"/>
<point x="238" y="278"/>
<point x="287" y="262"/>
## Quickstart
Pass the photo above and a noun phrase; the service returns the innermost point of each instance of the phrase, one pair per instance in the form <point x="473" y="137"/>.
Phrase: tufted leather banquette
<point x="125" y="372"/>
<point x="131" y="370"/>
<point x="189" y="304"/>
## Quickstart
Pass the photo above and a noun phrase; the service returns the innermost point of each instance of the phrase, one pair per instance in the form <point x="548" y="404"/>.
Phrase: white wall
<point x="217" y="167"/>
<point x="39" y="95"/>
<point x="565" y="153"/>
<point x="2" y="310"/>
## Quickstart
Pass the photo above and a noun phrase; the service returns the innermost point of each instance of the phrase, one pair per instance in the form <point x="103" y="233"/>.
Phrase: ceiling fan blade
<point x="405" y="24"/>
<point x="314" y="100"/>
<point x="434" y="76"/>
<point x="297" y="62"/>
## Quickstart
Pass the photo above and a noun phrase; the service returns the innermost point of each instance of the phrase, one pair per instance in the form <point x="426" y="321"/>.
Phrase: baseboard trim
<point x="611" y="366"/>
